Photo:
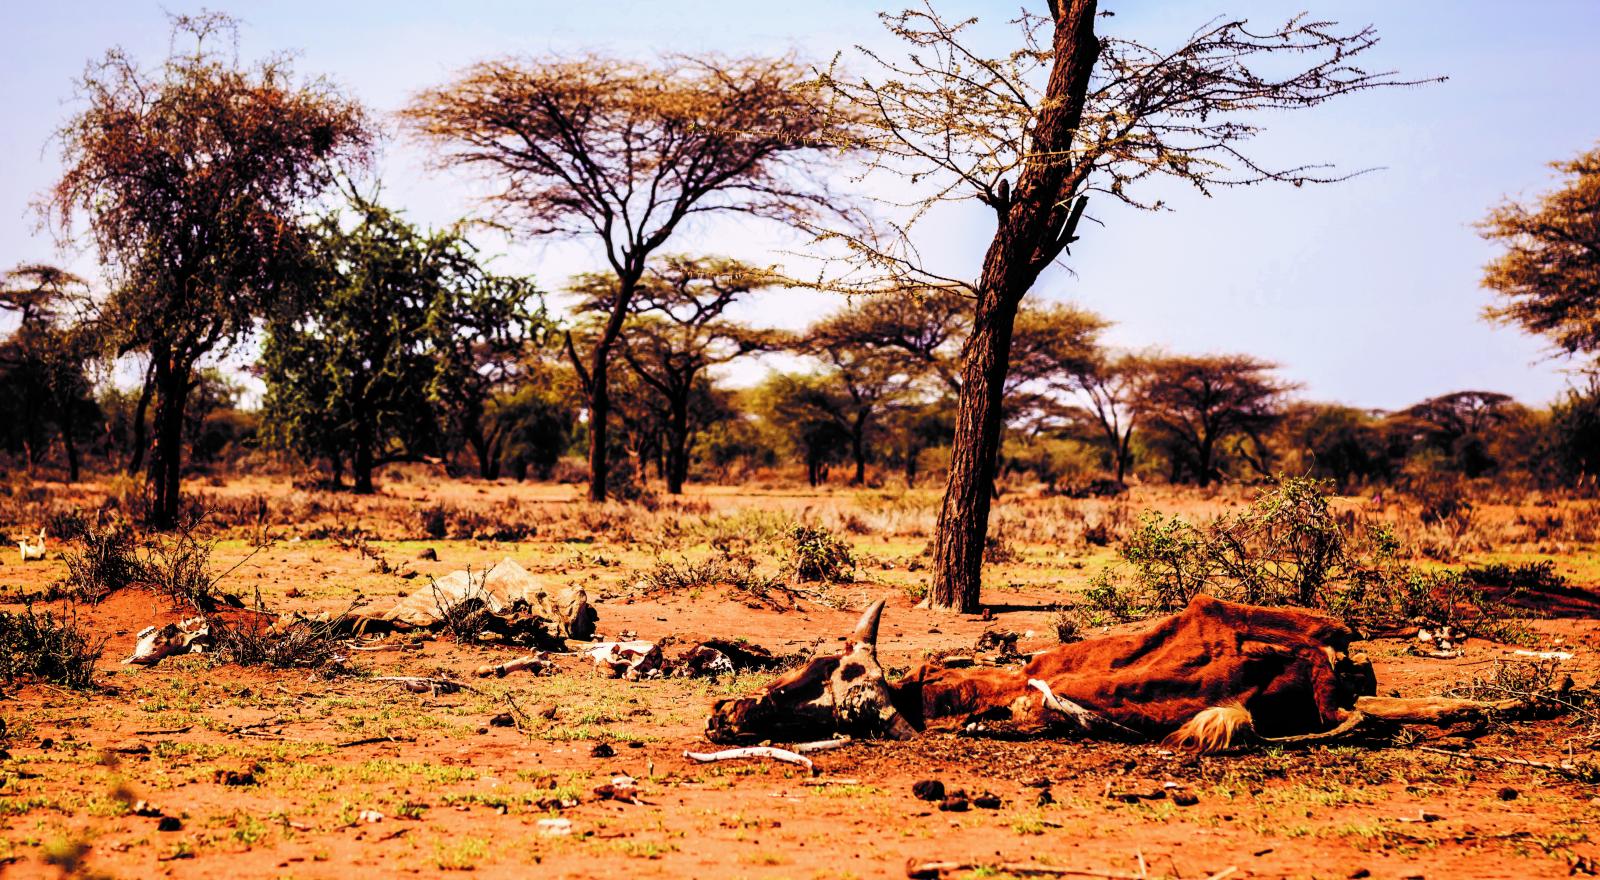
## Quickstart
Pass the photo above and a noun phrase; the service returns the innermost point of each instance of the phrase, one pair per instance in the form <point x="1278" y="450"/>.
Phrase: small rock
<point x="987" y="801"/>
<point x="928" y="790"/>
<point x="1358" y="873"/>
<point x="546" y="711"/>
<point x="369" y="817"/>
<point x="169" y="823"/>
<point x="953" y="805"/>
<point x="147" y="809"/>
<point x="504" y="719"/>
<point x="602" y="750"/>
<point x="1045" y="798"/>
<point x="635" y="744"/>
<point x="1184" y="797"/>
<point x="1508" y="793"/>
<point x="429" y="554"/>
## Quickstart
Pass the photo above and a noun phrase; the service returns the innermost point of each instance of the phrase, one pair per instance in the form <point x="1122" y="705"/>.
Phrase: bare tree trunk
<point x="166" y="465"/>
<point x="69" y="440"/>
<point x="1034" y="223"/>
<point x="136" y="457"/>
<point x="858" y="451"/>
<point x="678" y="446"/>
<point x="964" y="518"/>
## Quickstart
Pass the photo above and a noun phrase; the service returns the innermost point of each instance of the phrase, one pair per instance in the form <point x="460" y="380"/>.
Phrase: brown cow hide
<point x="1282" y="665"/>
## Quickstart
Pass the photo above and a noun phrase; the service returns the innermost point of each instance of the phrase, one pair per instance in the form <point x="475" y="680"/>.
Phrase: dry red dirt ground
<point x="264" y="773"/>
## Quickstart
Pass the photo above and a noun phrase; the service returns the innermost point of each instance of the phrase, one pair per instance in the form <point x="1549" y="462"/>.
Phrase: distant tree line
<point x="221" y="198"/>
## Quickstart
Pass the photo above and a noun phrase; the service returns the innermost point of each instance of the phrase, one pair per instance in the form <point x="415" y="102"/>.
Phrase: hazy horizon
<point x="1366" y="292"/>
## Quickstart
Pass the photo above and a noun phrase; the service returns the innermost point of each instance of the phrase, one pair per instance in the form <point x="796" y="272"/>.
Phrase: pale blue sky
<point x="1366" y="291"/>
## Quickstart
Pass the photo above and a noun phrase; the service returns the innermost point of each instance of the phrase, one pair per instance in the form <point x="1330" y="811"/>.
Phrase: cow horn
<point x="867" y="628"/>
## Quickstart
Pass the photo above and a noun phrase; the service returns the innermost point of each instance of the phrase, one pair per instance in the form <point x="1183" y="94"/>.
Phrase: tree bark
<point x="964" y="517"/>
<point x="1034" y="224"/>
<point x="361" y="461"/>
<point x="678" y="445"/>
<point x="858" y="451"/>
<point x="166" y="465"/>
<point x="69" y="439"/>
<point x="136" y="456"/>
<point x="594" y="379"/>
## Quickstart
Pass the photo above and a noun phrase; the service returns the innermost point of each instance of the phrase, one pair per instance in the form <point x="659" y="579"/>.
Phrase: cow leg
<point x="1432" y="710"/>
<point x="1212" y="730"/>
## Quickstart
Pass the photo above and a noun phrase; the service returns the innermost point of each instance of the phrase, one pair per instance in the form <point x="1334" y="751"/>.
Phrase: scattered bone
<point x="32" y="550"/>
<point x="369" y="817"/>
<point x="768" y="752"/>
<point x="554" y="827"/>
<point x="1543" y="655"/>
<point x="521" y="607"/>
<point x="630" y="660"/>
<point x="538" y="663"/>
<point x="1440" y="645"/>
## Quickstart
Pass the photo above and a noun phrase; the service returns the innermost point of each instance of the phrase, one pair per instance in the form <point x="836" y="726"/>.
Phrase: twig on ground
<point x="934" y="870"/>
<point x="1564" y="769"/>
<point x="372" y="740"/>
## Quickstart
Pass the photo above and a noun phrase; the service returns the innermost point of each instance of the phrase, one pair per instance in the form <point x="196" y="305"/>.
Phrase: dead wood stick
<point x="769" y="752"/>
<point x="822" y="745"/>
<point x="371" y="740"/>
<point x="1566" y="769"/>
<point x="164" y="730"/>
<point x="934" y="870"/>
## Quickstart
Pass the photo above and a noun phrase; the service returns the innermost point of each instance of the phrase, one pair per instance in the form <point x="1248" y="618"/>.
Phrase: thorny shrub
<point x="299" y="642"/>
<point x="817" y="556"/>
<point x="737" y="571"/>
<point x="1288" y="548"/>
<point x="47" y="646"/>
<point x="108" y="561"/>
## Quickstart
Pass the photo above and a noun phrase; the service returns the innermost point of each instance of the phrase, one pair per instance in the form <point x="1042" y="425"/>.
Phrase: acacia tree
<point x="1110" y="384"/>
<point x="624" y="153"/>
<point x="678" y="331"/>
<point x="1549" y="275"/>
<point x="44" y="364"/>
<point x="1112" y="113"/>
<point x="192" y="179"/>
<point x="1194" y="405"/>
<point x="387" y="316"/>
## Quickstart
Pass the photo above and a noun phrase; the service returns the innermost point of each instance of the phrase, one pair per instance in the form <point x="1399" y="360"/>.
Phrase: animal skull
<point x="158" y="643"/>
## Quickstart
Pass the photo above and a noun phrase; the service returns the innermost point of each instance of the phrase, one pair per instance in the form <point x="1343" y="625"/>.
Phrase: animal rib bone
<point x="774" y="754"/>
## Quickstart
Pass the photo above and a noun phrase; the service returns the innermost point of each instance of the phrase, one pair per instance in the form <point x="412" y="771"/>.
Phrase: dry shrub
<point x="299" y="642"/>
<point x="107" y="562"/>
<point x="1288" y="548"/>
<point x="47" y="646"/>
<point x="815" y="555"/>
<point x="732" y="571"/>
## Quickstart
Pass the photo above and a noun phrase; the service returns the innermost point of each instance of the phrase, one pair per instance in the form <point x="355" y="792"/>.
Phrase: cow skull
<point x="844" y="693"/>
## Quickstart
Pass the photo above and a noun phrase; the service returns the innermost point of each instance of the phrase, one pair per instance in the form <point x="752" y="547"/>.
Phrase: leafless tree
<point x="1030" y="135"/>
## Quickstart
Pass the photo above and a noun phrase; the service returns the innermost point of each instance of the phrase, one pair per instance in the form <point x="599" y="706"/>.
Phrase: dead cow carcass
<point x="516" y="605"/>
<point x="1203" y="679"/>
